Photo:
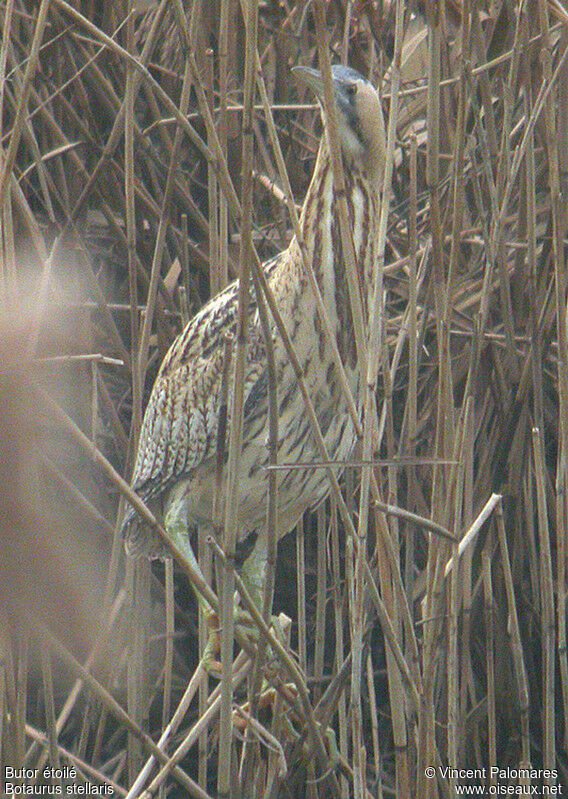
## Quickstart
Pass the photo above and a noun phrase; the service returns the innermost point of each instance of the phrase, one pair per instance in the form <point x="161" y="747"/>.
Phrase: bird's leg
<point x="253" y="574"/>
<point x="253" y="571"/>
<point x="178" y="529"/>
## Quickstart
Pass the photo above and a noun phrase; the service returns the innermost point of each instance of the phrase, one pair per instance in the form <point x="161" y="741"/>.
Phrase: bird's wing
<point x="179" y="431"/>
<point x="178" y="424"/>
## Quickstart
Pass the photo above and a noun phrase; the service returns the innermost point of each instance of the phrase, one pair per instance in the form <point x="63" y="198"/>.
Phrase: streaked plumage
<point x="176" y="453"/>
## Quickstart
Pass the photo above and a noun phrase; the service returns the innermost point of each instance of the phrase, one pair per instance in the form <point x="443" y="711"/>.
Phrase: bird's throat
<point x="323" y="245"/>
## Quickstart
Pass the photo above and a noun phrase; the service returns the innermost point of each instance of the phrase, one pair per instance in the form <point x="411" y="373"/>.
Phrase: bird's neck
<point x="321" y="234"/>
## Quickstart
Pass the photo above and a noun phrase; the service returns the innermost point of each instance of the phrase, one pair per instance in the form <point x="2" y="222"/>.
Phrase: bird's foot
<point x="280" y="626"/>
<point x="211" y="661"/>
<point x="267" y="699"/>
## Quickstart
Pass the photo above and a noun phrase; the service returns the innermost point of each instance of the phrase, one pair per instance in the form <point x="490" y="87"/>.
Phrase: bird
<point x="175" y="467"/>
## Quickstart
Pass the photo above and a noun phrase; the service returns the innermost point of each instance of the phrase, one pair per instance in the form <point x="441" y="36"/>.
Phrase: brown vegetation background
<point x="120" y="189"/>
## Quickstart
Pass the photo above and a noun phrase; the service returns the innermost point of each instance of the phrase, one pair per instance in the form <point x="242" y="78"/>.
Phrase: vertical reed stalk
<point x="236" y="404"/>
<point x="547" y="605"/>
<point x="516" y="643"/>
<point x="301" y="594"/>
<point x="50" y="721"/>
<point x="489" y="615"/>
<point x="321" y="599"/>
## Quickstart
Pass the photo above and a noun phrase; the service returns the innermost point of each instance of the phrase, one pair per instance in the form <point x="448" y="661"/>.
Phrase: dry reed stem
<point x="40" y="740"/>
<point x="242" y="666"/>
<point x="321" y="599"/>
<point x="293" y="671"/>
<point x="376" y="352"/>
<point x="516" y="643"/>
<point x="237" y="404"/>
<point x="547" y="603"/>
<point x="250" y="764"/>
<point x="162" y="227"/>
<point x="113" y="707"/>
<point x="9" y="156"/>
<point x="488" y="607"/>
<point x="339" y="641"/>
<point x="301" y="594"/>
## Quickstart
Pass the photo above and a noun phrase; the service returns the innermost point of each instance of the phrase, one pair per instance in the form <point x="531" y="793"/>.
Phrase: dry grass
<point x="127" y="197"/>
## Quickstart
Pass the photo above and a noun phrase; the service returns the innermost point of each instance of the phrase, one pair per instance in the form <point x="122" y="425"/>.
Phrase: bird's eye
<point x="351" y="90"/>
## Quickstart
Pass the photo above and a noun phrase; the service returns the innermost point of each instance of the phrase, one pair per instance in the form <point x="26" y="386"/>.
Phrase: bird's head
<point x="360" y="124"/>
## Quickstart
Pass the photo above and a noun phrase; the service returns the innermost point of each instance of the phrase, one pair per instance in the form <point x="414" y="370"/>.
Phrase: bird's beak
<point x="311" y="77"/>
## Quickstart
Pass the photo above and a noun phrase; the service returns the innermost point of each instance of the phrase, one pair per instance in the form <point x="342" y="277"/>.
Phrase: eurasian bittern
<point x="176" y="460"/>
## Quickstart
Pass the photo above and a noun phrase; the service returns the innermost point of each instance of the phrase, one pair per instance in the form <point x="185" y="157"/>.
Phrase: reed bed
<point x="151" y="152"/>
